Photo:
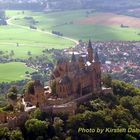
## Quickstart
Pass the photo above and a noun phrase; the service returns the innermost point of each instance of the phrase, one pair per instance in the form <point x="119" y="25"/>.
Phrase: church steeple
<point x="90" y="52"/>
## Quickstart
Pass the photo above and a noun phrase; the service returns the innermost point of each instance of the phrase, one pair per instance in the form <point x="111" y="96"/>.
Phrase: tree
<point x="126" y="102"/>
<point x="124" y="89"/>
<point x="53" y="87"/>
<point x="121" y="116"/>
<point x="40" y="138"/>
<point x="2" y="18"/>
<point x="55" y="138"/>
<point x="12" y="96"/>
<point x="76" y="121"/>
<point x="37" y="114"/>
<point x="12" y="53"/>
<point x="36" y="127"/>
<point x="29" y="53"/>
<point x="129" y="137"/>
<point x="29" y="87"/>
<point x="8" y="108"/>
<point x="4" y="133"/>
<point x="16" y="135"/>
<point x="2" y="14"/>
<point x="58" y="124"/>
<point x="13" y="89"/>
<point x="107" y="80"/>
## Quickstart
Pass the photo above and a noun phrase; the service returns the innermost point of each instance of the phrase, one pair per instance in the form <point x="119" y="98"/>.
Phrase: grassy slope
<point x="13" y="71"/>
<point x="55" y="21"/>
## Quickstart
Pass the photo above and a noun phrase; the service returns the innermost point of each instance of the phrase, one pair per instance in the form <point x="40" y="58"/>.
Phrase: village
<point x="120" y="58"/>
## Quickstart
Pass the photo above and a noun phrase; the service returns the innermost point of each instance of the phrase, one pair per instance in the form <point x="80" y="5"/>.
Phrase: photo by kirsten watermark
<point x="108" y="130"/>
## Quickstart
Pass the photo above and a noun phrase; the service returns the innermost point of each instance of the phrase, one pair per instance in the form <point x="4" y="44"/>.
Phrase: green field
<point x="65" y="23"/>
<point x="28" y="40"/>
<point x="34" y="41"/>
<point x="13" y="71"/>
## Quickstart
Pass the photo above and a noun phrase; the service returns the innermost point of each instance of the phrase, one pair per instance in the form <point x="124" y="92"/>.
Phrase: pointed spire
<point x="89" y="44"/>
<point x="73" y="58"/>
<point x="90" y="52"/>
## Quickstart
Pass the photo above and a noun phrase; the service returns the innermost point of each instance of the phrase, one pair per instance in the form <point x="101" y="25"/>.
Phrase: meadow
<point x="67" y="22"/>
<point x="28" y="40"/>
<point x="13" y="71"/>
<point x="22" y="40"/>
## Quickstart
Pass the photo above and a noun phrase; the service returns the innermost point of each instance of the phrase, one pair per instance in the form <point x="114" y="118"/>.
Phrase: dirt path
<point x="9" y="22"/>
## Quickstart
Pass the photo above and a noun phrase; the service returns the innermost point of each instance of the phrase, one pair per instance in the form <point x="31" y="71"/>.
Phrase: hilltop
<point x="117" y="113"/>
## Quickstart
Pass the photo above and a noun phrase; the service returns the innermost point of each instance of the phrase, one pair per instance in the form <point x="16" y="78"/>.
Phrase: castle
<point x="72" y="82"/>
<point x="69" y="80"/>
<point x="78" y="76"/>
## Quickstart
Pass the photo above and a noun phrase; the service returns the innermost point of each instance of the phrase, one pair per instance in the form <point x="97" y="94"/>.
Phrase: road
<point x="9" y="22"/>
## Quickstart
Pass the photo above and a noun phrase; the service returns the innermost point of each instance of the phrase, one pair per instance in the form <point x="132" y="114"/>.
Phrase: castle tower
<point x="73" y="64"/>
<point x="61" y="66"/>
<point x="90" y="52"/>
<point x="97" y="66"/>
<point x="81" y="63"/>
<point x="39" y="92"/>
<point x="64" y="87"/>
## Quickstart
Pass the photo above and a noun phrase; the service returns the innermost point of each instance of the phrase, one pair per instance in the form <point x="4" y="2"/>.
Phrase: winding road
<point x="9" y="22"/>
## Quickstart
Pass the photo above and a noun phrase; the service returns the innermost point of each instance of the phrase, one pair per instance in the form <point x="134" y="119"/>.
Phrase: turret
<point x="97" y="67"/>
<point x="73" y="58"/>
<point x="90" y="52"/>
<point x="61" y="66"/>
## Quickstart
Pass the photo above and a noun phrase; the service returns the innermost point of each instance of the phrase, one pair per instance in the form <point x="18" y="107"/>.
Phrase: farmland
<point x="85" y="24"/>
<point x="13" y="71"/>
<point x="22" y="40"/>
<point x="28" y="40"/>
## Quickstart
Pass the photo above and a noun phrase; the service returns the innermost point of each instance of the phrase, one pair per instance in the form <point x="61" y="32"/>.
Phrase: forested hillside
<point x="114" y="112"/>
<point x="69" y="4"/>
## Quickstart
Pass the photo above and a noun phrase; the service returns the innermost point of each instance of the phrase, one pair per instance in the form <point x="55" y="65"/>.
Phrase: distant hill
<point x="98" y="4"/>
<point x="69" y="4"/>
